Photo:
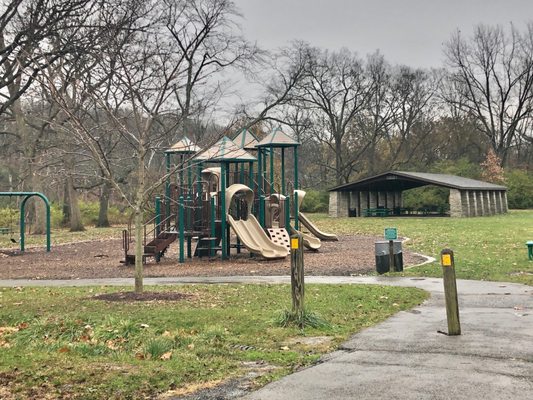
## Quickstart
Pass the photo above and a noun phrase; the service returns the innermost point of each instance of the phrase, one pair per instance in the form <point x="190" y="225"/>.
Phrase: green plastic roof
<point x="184" y="146"/>
<point x="278" y="139"/>
<point x="225" y="150"/>
<point x="246" y="140"/>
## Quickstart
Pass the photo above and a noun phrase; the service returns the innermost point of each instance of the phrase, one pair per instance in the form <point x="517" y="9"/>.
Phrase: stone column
<point x="479" y="203"/>
<point x="398" y="199"/>
<point x="465" y="203"/>
<point x="354" y="202"/>
<point x="492" y="202"/>
<point x="373" y="199"/>
<point x="498" y="201"/>
<point x="390" y="200"/>
<point x="456" y="204"/>
<point x="472" y="203"/>
<point x="503" y="195"/>
<point x="363" y="201"/>
<point x="486" y="204"/>
<point x="338" y="204"/>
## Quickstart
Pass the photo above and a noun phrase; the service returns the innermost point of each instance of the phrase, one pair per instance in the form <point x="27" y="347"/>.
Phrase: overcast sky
<point x="406" y="31"/>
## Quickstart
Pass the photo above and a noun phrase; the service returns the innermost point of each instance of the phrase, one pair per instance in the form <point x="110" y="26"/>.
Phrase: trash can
<point x="352" y="212"/>
<point x="382" y="256"/>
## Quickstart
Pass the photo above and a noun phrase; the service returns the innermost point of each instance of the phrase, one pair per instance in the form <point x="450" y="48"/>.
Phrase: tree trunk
<point x="103" y="220"/>
<point x="76" y="224"/>
<point x="66" y="206"/>
<point x="139" y="221"/>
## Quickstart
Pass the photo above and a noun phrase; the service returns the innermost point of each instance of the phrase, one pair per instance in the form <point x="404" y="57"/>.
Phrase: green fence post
<point x="213" y="228"/>
<point x="223" y="210"/>
<point x="181" y="230"/>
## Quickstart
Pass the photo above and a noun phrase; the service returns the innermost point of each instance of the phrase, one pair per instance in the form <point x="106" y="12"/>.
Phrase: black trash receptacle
<point x="382" y="256"/>
<point x="352" y="212"/>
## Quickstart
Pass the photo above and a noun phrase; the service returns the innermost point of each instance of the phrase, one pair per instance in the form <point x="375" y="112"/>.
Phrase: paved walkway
<point x="405" y="357"/>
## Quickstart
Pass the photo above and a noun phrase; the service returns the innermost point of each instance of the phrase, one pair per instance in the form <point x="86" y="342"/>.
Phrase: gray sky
<point x="406" y="31"/>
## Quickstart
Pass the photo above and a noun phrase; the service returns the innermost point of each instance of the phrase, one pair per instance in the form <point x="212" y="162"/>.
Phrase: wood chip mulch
<point x="351" y="255"/>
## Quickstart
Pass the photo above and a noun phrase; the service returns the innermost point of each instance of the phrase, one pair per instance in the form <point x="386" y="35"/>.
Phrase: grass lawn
<point x="486" y="248"/>
<point x="62" y="343"/>
<point x="61" y="236"/>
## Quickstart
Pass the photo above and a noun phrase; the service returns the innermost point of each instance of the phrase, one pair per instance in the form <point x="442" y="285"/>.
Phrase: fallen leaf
<point x="144" y="326"/>
<point x="166" y="356"/>
<point x="190" y="346"/>
<point x="139" y="356"/>
<point x="166" y="334"/>
<point x="64" y="350"/>
<point x="23" y="325"/>
<point x="284" y="348"/>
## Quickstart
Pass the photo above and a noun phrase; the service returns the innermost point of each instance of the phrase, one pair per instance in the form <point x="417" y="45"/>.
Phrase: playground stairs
<point x="155" y="248"/>
<point x="206" y="244"/>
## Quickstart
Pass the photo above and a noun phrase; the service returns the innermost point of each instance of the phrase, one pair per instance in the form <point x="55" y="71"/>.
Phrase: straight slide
<point x="312" y="243"/>
<point x="315" y="231"/>
<point x="255" y="239"/>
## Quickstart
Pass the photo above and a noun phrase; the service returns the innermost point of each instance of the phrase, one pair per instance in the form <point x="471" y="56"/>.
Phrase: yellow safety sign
<point x="446" y="260"/>
<point x="294" y="243"/>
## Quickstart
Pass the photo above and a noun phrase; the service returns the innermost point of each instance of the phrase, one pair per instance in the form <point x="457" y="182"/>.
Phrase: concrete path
<point x="405" y="357"/>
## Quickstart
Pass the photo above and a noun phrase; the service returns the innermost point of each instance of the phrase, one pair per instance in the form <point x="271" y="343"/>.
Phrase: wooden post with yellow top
<point x="450" y="292"/>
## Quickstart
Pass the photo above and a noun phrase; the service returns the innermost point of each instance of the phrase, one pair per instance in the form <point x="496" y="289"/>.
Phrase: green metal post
<point x="157" y="215"/>
<point x="213" y="228"/>
<point x="199" y="179"/>
<point x="287" y="213"/>
<point x="259" y="171"/>
<point x="271" y="170"/>
<point x="167" y="185"/>
<point x="181" y="230"/>
<point x="283" y="171"/>
<point x="223" y="210"/>
<point x="182" y="165"/>
<point x="251" y="182"/>
<point x="296" y="211"/>
<point x="189" y="176"/>
<point x="22" y="223"/>
<point x="262" y="210"/>
<point x="264" y="176"/>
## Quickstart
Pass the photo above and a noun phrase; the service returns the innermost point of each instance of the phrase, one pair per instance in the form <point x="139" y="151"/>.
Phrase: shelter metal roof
<point x="184" y="146"/>
<point x="246" y="140"/>
<point x="278" y="139"/>
<point x="400" y="180"/>
<point x="225" y="150"/>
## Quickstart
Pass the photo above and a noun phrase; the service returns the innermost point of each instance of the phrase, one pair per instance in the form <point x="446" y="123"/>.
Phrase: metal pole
<point x="213" y="226"/>
<point x="167" y="185"/>
<point x="259" y="171"/>
<point x="296" y="211"/>
<point x="223" y="210"/>
<point x="262" y="210"/>
<point x="181" y="230"/>
<point x="271" y="170"/>
<point x="283" y="171"/>
<point x="287" y="213"/>
<point x="157" y="215"/>
<point x="22" y="223"/>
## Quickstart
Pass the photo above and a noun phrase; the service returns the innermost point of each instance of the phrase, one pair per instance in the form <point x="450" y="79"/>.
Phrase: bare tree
<point x="492" y="81"/>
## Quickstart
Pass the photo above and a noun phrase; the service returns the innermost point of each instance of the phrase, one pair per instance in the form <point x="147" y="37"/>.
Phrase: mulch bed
<point x="351" y="255"/>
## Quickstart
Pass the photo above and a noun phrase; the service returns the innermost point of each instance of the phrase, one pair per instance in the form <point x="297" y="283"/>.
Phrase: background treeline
<point x="92" y="93"/>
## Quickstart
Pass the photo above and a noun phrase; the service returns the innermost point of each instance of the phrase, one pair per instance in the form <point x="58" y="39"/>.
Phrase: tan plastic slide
<point x="314" y="230"/>
<point x="249" y="231"/>
<point x="312" y="243"/>
<point x="309" y="225"/>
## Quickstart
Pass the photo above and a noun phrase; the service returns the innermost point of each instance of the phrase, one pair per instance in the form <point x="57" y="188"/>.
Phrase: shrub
<point x="315" y="201"/>
<point x="519" y="189"/>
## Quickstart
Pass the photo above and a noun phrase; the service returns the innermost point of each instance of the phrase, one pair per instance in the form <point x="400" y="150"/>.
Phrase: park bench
<point x="376" y="212"/>
<point x="5" y="231"/>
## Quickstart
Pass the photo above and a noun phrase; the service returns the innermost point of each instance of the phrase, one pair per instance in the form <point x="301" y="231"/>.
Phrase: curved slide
<point x="309" y="225"/>
<point x="249" y="231"/>
<point x="312" y="243"/>
<point x="314" y="230"/>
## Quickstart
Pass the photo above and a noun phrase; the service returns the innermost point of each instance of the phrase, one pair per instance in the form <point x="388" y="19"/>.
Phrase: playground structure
<point x="223" y="188"/>
<point x="22" y="219"/>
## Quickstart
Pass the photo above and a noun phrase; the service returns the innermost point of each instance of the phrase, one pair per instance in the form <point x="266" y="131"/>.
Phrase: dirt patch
<point x="351" y="255"/>
<point x="145" y="296"/>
